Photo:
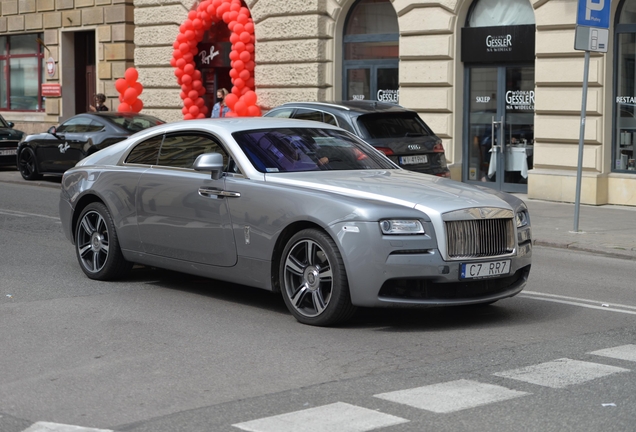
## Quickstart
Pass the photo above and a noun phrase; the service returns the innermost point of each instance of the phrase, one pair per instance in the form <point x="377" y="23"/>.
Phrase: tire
<point x="27" y="165"/>
<point x="97" y="246"/>
<point x="313" y="279"/>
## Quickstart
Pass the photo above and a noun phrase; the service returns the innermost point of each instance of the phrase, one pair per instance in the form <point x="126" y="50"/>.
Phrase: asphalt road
<point x="162" y="351"/>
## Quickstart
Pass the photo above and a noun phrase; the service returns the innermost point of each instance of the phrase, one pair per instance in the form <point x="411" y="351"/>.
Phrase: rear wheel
<point x="313" y="279"/>
<point x="97" y="246"/>
<point x="27" y="165"/>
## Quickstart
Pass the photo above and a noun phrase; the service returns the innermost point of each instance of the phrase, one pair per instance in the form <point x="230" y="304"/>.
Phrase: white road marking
<point x="624" y="352"/>
<point x="339" y="416"/>
<point x="24" y="214"/>
<point x="58" y="427"/>
<point x="561" y="373"/>
<point x="574" y="301"/>
<point x="452" y="396"/>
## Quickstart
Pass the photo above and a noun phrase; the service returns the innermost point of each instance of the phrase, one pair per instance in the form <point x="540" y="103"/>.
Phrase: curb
<point x="615" y="253"/>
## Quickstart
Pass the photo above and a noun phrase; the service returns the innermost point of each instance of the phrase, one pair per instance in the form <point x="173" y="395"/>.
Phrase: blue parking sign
<point x="593" y="13"/>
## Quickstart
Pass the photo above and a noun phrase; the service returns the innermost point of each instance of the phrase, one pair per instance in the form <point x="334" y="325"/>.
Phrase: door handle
<point x="210" y="193"/>
<point x="495" y="124"/>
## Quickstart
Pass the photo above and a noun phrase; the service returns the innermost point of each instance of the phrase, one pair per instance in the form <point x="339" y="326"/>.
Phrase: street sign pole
<point x="592" y="34"/>
<point x="579" y="169"/>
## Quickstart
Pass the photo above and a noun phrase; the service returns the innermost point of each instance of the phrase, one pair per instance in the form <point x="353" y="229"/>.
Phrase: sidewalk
<point x="608" y="230"/>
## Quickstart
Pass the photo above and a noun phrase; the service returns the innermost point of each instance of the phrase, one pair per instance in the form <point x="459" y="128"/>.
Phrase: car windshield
<point x="134" y="123"/>
<point x="3" y="123"/>
<point x="392" y="125"/>
<point x="308" y="149"/>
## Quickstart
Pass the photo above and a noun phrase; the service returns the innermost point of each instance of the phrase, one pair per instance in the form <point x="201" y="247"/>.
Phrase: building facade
<point x="498" y="80"/>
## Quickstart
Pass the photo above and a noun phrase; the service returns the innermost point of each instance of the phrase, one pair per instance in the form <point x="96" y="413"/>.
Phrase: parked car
<point x="9" y="139"/>
<point x="61" y="147"/>
<point x="303" y="208"/>
<point x="399" y="133"/>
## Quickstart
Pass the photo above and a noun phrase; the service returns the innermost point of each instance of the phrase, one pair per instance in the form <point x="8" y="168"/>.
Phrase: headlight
<point x="522" y="218"/>
<point x="401" y="226"/>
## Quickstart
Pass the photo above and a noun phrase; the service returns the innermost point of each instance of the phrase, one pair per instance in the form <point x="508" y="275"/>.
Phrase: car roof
<point x="352" y="107"/>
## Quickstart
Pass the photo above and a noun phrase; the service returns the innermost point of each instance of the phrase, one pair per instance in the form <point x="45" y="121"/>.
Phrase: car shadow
<point x="506" y="312"/>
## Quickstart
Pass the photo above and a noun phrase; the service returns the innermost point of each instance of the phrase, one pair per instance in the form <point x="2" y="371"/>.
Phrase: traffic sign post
<point x="592" y="35"/>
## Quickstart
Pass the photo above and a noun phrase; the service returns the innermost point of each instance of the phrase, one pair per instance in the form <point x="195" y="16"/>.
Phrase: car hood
<point x="431" y="194"/>
<point x="10" y="134"/>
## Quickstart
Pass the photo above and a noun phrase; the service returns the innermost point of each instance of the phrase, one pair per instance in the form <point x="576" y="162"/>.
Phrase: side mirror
<point x="210" y="162"/>
<point x="11" y="124"/>
<point x="52" y="130"/>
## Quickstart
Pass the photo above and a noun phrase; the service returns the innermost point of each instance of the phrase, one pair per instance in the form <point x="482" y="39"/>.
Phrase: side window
<point x="281" y="113"/>
<point x="329" y="119"/>
<point x="95" y="126"/>
<point x="75" y="125"/>
<point x="181" y="150"/>
<point x="307" y="114"/>
<point x="146" y="152"/>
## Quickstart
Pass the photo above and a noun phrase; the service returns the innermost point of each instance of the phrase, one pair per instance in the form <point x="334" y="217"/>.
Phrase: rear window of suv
<point x="392" y="125"/>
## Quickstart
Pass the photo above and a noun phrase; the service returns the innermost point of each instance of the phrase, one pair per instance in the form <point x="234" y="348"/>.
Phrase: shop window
<point x="625" y="91"/>
<point x="22" y="73"/>
<point x="490" y="13"/>
<point x="371" y="51"/>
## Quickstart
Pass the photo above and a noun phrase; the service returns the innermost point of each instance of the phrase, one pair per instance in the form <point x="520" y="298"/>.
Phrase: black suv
<point x="398" y="132"/>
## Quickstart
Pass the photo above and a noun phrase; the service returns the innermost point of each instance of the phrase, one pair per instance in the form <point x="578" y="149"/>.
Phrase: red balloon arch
<point x="242" y="99"/>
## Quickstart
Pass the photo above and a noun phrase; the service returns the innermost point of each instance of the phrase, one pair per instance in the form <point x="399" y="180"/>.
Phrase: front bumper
<point x="410" y="271"/>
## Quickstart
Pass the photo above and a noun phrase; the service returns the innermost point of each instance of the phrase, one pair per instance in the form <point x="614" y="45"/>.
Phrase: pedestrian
<point x="100" y="99"/>
<point x="220" y="109"/>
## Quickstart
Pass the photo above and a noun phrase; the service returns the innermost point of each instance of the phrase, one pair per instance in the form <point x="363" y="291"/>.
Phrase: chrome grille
<point x="479" y="238"/>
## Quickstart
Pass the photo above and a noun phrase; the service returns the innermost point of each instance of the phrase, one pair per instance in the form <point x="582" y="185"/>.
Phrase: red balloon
<point x="131" y="75"/>
<point x="244" y="90"/>
<point x="250" y="97"/>
<point x="197" y="84"/>
<point x="200" y="115"/>
<point x="183" y="95"/>
<point x="181" y="63"/>
<point x="242" y="18"/>
<point x="130" y="95"/>
<point x="177" y="54"/>
<point x="239" y="83"/>
<point x="184" y="48"/>
<point x="121" y="85"/>
<point x="199" y="102"/>
<point x="245" y="56"/>
<point x="231" y="114"/>
<point x="187" y="102"/>
<point x="250" y="83"/>
<point x="188" y="116"/>
<point x="189" y="68"/>
<point x="234" y="38"/>
<point x="249" y="47"/>
<point x="123" y="107"/>
<point x="193" y="94"/>
<point x="196" y="23"/>
<point x="173" y="62"/>
<point x="231" y="25"/>
<point x="245" y="37"/>
<point x="238" y="28"/>
<point x="186" y="79"/>
<point x="194" y="110"/>
<point x="217" y="3"/>
<point x="178" y="73"/>
<point x="192" y="14"/>
<point x="226" y="16"/>
<point x="137" y="106"/>
<point x="239" y="47"/>
<point x="234" y="73"/>
<point x="204" y="109"/>
<point x="249" y="27"/>
<point x="139" y="87"/>
<point x="244" y="75"/>
<point x="188" y="57"/>
<point x="234" y="55"/>
<point x="239" y="65"/>
<point x="253" y="111"/>
<point x="181" y="37"/>
<point x="230" y="100"/>
<point x="240" y="108"/>
<point x="184" y="110"/>
<point x="236" y="91"/>
<point x="250" y="65"/>
<point x="201" y="91"/>
<point x="189" y="34"/>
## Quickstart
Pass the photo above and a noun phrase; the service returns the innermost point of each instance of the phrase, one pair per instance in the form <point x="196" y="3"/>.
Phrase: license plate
<point x="412" y="160"/>
<point x="8" y="152"/>
<point x="485" y="269"/>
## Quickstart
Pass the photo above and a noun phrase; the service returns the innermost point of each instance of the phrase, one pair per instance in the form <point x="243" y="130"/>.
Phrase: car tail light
<point x="387" y="151"/>
<point x="444" y="174"/>
<point x="438" y="147"/>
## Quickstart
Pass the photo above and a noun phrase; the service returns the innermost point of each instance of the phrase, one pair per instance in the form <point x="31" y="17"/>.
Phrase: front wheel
<point x="313" y="279"/>
<point x="97" y="246"/>
<point x="27" y="165"/>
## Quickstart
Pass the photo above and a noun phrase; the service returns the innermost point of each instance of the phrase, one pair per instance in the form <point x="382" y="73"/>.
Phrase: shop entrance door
<point x="499" y="126"/>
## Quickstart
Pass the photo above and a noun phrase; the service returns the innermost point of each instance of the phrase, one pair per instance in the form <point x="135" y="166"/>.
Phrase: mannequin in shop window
<point x="220" y="109"/>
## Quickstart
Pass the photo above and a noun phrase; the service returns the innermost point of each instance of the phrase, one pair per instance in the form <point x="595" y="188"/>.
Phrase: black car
<point x="60" y="148"/>
<point x="398" y="132"/>
<point x="9" y="139"/>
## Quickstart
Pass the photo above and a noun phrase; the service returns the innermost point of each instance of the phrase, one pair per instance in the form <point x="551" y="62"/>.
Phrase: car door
<point x="181" y="214"/>
<point x="64" y="149"/>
